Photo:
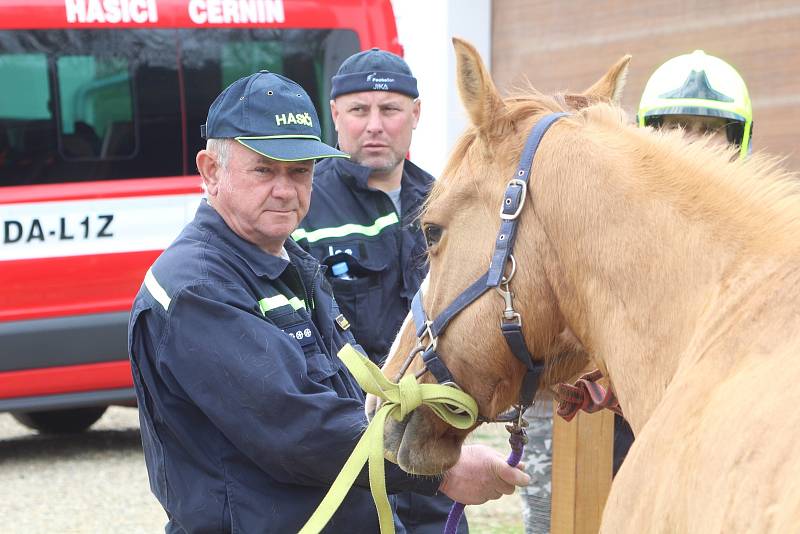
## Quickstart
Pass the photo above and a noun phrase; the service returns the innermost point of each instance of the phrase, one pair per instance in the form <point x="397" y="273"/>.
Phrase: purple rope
<point x="517" y="442"/>
<point x="454" y="518"/>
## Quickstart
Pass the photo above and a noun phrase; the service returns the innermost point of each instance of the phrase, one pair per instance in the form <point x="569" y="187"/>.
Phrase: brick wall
<point x="561" y="45"/>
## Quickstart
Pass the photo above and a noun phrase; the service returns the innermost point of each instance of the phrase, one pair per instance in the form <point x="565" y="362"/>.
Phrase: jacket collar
<point x="352" y="172"/>
<point x="260" y="262"/>
<point x="414" y="179"/>
<point x="414" y="189"/>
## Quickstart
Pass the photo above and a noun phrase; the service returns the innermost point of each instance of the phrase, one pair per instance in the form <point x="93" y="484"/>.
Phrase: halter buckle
<point x="524" y="185"/>
<point x="433" y="340"/>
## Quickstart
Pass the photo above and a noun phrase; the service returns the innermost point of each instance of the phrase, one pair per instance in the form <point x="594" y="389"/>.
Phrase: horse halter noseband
<point x="428" y="331"/>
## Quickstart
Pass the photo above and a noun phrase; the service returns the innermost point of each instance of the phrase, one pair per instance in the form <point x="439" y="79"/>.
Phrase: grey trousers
<point x="538" y="459"/>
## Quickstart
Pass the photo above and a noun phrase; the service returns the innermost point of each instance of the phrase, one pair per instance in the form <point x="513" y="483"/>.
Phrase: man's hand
<point x="481" y="474"/>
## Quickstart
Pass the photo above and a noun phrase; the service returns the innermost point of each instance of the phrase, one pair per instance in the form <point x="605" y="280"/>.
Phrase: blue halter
<point x="429" y="331"/>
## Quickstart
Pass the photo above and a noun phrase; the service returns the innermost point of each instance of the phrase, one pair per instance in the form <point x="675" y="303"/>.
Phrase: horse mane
<point x="753" y="200"/>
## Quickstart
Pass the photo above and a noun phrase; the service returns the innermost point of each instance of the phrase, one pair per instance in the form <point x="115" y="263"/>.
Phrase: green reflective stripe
<point x="272" y="303"/>
<point x="346" y="229"/>
<point x="293" y="136"/>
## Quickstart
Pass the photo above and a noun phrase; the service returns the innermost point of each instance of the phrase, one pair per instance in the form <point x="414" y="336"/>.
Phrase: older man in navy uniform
<point x="246" y="413"/>
<point x="363" y="219"/>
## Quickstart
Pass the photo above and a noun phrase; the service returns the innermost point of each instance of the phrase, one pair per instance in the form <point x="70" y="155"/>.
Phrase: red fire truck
<point x="101" y="103"/>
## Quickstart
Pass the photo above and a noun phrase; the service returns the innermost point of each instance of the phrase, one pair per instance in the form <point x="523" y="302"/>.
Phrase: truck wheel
<point x="61" y="421"/>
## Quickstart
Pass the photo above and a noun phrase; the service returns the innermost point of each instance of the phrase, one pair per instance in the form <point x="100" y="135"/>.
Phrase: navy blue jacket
<point x="352" y="222"/>
<point x="386" y="253"/>
<point x="246" y="413"/>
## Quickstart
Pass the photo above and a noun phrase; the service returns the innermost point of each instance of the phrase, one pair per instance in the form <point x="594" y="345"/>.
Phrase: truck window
<point x="95" y="108"/>
<point x="212" y="58"/>
<point x="82" y="105"/>
<point x="26" y="117"/>
<point x="106" y="104"/>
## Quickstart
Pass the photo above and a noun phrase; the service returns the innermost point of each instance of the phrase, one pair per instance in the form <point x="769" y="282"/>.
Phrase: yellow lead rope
<point x="398" y="401"/>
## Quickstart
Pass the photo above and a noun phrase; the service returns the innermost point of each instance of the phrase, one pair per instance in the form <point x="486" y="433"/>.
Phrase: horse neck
<point x="632" y="279"/>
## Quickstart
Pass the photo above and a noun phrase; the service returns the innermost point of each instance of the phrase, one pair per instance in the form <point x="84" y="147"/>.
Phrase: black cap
<point x="270" y="114"/>
<point x="374" y="70"/>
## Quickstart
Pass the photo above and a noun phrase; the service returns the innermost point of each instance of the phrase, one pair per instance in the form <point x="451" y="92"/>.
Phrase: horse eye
<point x="433" y="234"/>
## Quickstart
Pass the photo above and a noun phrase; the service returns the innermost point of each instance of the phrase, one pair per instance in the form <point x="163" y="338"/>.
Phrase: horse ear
<point x="475" y="86"/>
<point x="609" y="87"/>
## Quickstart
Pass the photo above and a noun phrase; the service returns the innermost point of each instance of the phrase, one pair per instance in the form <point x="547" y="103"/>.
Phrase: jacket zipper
<point x="313" y="285"/>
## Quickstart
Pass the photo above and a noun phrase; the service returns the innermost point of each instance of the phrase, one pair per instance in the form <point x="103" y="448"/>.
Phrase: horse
<point x="668" y="265"/>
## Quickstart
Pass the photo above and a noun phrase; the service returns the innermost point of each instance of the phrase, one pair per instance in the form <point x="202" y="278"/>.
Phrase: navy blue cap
<point x="374" y="70"/>
<point x="270" y="114"/>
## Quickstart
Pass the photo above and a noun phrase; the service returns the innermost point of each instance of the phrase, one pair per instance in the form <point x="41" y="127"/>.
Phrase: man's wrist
<point x="443" y="485"/>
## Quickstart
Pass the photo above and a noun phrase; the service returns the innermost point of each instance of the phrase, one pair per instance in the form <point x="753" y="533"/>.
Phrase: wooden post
<point x="582" y="465"/>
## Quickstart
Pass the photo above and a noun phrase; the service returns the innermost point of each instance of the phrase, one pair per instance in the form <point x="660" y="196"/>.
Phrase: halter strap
<point x="428" y="331"/>
<point x="467" y="297"/>
<point x="512" y="332"/>
<point x="514" y="199"/>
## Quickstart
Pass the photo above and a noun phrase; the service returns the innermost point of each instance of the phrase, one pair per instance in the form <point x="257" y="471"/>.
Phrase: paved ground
<point x="87" y="483"/>
<point x="96" y="482"/>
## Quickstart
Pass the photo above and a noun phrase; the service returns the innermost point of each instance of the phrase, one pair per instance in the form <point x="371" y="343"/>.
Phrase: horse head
<point x="460" y="223"/>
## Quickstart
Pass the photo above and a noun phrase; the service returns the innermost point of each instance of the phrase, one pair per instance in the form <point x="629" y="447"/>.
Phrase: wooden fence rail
<point x="582" y="465"/>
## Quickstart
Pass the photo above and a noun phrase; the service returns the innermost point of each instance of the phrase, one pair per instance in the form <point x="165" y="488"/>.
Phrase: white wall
<point x="425" y="28"/>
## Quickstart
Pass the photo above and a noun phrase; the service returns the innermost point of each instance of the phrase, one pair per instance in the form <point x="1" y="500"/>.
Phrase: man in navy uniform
<point x="246" y="413"/>
<point x="363" y="220"/>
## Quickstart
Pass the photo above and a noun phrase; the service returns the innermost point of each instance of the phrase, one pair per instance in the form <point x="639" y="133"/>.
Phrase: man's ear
<point x="415" y="111"/>
<point x="334" y="114"/>
<point x="209" y="171"/>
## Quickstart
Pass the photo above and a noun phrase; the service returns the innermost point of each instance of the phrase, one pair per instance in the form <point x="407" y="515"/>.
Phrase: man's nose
<point x="374" y="121"/>
<point x="283" y="187"/>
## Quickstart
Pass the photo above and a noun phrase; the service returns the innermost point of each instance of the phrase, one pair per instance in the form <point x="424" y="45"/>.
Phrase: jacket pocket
<point x="318" y="365"/>
<point x="360" y="298"/>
